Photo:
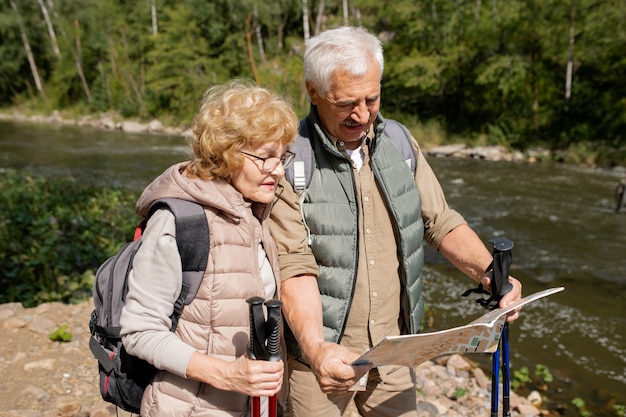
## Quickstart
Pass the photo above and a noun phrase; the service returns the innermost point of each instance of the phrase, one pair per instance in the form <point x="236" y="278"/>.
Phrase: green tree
<point x="11" y="57"/>
<point x="517" y="72"/>
<point x="597" y="110"/>
<point x="21" y="23"/>
<point x="177" y="75"/>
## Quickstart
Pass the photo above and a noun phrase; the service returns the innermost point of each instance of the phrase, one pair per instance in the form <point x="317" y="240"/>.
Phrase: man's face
<point x="351" y="105"/>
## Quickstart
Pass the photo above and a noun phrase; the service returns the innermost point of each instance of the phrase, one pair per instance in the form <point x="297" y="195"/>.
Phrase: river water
<point x="560" y="218"/>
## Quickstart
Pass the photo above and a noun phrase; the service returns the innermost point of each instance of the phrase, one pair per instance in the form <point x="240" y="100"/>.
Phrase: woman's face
<point x="252" y="180"/>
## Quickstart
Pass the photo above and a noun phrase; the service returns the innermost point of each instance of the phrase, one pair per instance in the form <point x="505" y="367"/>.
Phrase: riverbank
<point x="104" y="121"/>
<point x="44" y="378"/>
<point x="114" y="121"/>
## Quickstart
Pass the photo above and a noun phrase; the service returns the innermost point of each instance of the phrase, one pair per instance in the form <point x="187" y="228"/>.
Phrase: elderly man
<point x="368" y="200"/>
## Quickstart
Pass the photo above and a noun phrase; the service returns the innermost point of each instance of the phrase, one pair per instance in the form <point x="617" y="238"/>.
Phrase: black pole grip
<point x="273" y="329"/>
<point x="502" y="258"/>
<point x="257" y="330"/>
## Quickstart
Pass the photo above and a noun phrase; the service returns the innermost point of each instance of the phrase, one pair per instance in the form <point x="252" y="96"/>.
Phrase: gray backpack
<point x="123" y="377"/>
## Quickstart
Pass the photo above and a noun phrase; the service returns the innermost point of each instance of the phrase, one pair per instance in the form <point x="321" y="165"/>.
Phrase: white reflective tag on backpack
<point x="299" y="176"/>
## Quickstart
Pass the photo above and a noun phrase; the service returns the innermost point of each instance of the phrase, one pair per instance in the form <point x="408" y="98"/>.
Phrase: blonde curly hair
<point x="234" y="116"/>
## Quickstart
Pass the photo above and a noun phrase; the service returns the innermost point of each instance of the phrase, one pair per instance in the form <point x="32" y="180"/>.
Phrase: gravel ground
<point x="43" y="378"/>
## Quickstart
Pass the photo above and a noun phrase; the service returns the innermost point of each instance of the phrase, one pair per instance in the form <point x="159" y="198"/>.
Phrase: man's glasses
<point x="271" y="162"/>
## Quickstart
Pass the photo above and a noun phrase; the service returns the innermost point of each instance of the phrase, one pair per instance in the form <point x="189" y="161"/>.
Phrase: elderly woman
<point x="240" y="139"/>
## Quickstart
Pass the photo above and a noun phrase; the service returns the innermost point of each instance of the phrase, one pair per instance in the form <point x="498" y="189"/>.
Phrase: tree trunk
<point x="29" y="52"/>
<point x="78" y="62"/>
<point x="345" y="12"/>
<point x="249" y="44"/>
<point x="319" y="18"/>
<point x="570" y="60"/>
<point x="105" y="83"/>
<point x="155" y="25"/>
<point x="280" y="33"/>
<point x="126" y="71"/>
<point x="116" y="70"/>
<point x="257" y="32"/>
<point x="53" y="36"/>
<point x="305" y="21"/>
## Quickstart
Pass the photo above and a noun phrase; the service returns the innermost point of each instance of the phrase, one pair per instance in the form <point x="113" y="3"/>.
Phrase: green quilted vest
<point x="330" y="212"/>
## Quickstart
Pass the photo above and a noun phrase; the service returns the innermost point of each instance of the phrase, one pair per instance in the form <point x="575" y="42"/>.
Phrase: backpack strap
<point x="192" y="239"/>
<point x="106" y="361"/>
<point x="401" y="137"/>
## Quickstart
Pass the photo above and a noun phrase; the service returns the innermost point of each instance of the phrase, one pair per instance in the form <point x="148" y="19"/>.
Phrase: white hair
<point x="347" y="48"/>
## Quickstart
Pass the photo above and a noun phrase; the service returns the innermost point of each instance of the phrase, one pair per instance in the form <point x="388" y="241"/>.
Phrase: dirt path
<point x="44" y="378"/>
<point x="41" y="375"/>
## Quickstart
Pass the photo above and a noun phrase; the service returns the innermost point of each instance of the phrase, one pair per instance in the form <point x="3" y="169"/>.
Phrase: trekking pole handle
<point x="255" y="348"/>
<point x="502" y="258"/>
<point x="273" y="329"/>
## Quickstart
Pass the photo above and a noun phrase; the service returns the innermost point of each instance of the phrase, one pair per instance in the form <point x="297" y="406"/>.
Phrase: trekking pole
<point x="499" y="286"/>
<point x="501" y="263"/>
<point x="273" y="344"/>
<point x="264" y="343"/>
<point x="257" y="335"/>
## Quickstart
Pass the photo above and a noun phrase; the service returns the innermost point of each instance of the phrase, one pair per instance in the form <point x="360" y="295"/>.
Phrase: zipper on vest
<point x="356" y="260"/>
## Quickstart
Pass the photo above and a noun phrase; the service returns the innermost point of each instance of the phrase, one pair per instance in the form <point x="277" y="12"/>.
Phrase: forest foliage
<point x="511" y="72"/>
<point x="60" y="231"/>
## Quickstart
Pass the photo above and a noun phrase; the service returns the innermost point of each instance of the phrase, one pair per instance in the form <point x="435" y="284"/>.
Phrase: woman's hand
<point x="254" y="378"/>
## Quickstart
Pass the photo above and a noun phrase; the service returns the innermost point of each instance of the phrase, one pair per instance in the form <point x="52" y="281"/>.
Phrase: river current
<point x="560" y="218"/>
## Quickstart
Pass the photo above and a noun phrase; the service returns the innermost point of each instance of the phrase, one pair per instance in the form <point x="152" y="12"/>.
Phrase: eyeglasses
<point x="271" y="162"/>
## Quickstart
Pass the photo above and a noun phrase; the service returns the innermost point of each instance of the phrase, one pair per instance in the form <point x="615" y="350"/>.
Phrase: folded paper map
<point x="480" y="336"/>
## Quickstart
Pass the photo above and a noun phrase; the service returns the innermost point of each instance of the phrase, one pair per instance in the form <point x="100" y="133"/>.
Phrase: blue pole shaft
<point x="506" y="374"/>
<point x="495" y="382"/>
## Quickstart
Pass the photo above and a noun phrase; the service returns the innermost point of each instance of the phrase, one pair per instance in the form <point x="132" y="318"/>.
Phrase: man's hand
<point x="513" y="295"/>
<point x="464" y="249"/>
<point x="331" y="364"/>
